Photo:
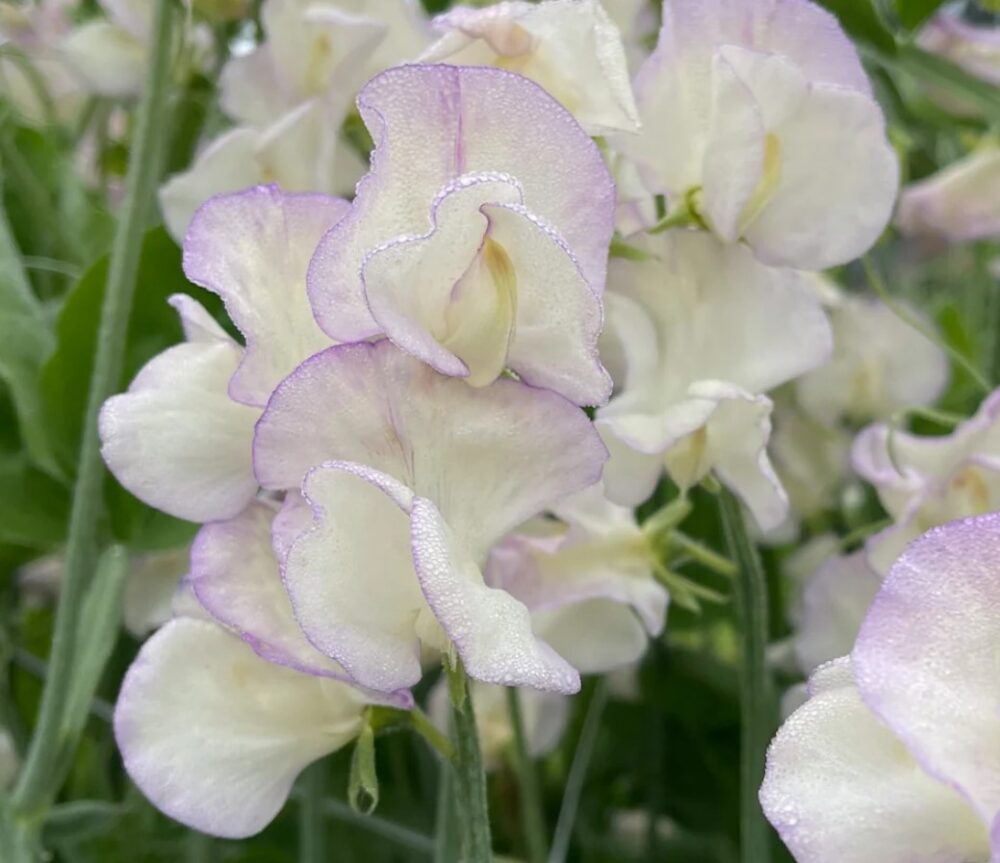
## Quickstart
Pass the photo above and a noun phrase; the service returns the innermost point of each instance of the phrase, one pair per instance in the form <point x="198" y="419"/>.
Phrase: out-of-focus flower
<point x="35" y="76"/>
<point x="758" y="118"/>
<point x="479" y="239"/>
<point x="214" y="735"/>
<point x="975" y="48"/>
<point x="588" y="580"/>
<point x="544" y="715"/>
<point x="571" y="47"/>
<point x="958" y="204"/>
<point x="252" y="249"/>
<point x="708" y="330"/>
<point x="812" y="460"/>
<point x="880" y="365"/>
<point x="926" y="481"/>
<point x="896" y="754"/>
<point x="290" y="96"/>
<point x="412" y="477"/>
<point x="831" y="607"/>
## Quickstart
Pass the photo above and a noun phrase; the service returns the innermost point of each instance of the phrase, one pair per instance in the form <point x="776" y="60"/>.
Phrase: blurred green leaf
<point x="34" y="509"/>
<point x="913" y="13"/>
<point x="862" y="21"/>
<point x="25" y="342"/>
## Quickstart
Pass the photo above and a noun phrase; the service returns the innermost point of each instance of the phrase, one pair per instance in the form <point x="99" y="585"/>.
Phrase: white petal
<point x="594" y="636"/>
<point x="215" y="736"/>
<point x="108" y="58"/>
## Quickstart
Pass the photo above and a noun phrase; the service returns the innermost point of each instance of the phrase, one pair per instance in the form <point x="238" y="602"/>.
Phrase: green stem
<point x="532" y="814"/>
<point x="199" y="848"/>
<point x="312" y="829"/>
<point x="35" y="784"/>
<point x="388" y="830"/>
<point x="755" y="682"/>
<point x="703" y="554"/>
<point x="469" y="775"/>
<point x="445" y="840"/>
<point x="578" y="772"/>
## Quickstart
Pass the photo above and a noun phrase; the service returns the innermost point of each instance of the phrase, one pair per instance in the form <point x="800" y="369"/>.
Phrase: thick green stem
<point x="470" y="780"/>
<point x="312" y="826"/>
<point x="41" y="770"/>
<point x="755" y="682"/>
<point x="532" y="815"/>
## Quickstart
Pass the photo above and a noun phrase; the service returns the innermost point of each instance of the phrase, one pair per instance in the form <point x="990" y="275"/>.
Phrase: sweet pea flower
<point x="636" y="21"/>
<point x="412" y="477"/>
<point x="180" y="438"/>
<point x="880" y="365"/>
<point x="543" y="714"/>
<point x="32" y="35"/>
<point x="571" y="47"/>
<point x="588" y="580"/>
<point x="215" y="735"/>
<point x="707" y="331"/>
<point x="831" y="608"/>
<point x="974" y="47"/>
<point x="925" y="481"/>
<point x="959" y="204"/>
<point x="479" y="239"/>
<point x="757" y="116"/>
<point x="895" y="757"/>
<point x="290" y="96"/>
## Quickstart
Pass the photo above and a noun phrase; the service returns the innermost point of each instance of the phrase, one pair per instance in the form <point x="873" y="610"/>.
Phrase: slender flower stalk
<point x="532" y="815"/>
<point x="470" y="778"/>
<point x="755" y="682"/>
<point x="42" y="771"/>
<point x="578" y="772"/>
<point x="312" y="827"/>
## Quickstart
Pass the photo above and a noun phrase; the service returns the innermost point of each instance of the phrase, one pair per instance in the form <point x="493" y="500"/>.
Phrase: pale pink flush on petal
<point x="433" y="124"/>
<point x="252" y="248"/>
<point x="215" y="736"/>
<point x="442" y="471"/>
<point x="571" y="47"/>
<point x="960" y="203"/>
<point x="759" y="115"/>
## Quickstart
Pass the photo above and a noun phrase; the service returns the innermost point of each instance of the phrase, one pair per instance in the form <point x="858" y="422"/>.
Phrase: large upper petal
<point x="433" y="123"/>
<point x="926" y="657"/>
<point x="252" y="248"/>
<point x="489" y="458"/>
<point x="215" y="736"/>
<point x="176" y="440"/>
<point x="840" y="787"/>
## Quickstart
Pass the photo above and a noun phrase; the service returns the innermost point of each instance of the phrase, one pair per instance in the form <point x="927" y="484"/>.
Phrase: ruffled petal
<point x="252" y="248"/>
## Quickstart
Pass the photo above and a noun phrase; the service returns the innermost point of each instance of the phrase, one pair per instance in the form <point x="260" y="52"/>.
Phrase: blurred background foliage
<point x="662" y="778"/>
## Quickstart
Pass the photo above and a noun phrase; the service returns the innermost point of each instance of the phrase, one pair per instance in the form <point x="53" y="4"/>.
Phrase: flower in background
<point x="958" y="204"/>
<point x="758" y="119"/>
<point x="290" y="97"/>
<point x="925" y="481"/>
<point x="571" y="47"/>
<point x="973" y="47"/>
<point x="545" y="716"/>
<point x="895" y="756"/>
<point x="707" y="330"/>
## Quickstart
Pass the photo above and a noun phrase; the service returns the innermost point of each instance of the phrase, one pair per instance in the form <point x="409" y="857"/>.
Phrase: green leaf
<point x="862" y="21"/>
<point x="153" y="327"/>
<point x="25" y="341"/>
<point x="913" y="13"/>
<point x="34" y="509"/>
<point x="362" y="787"/>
